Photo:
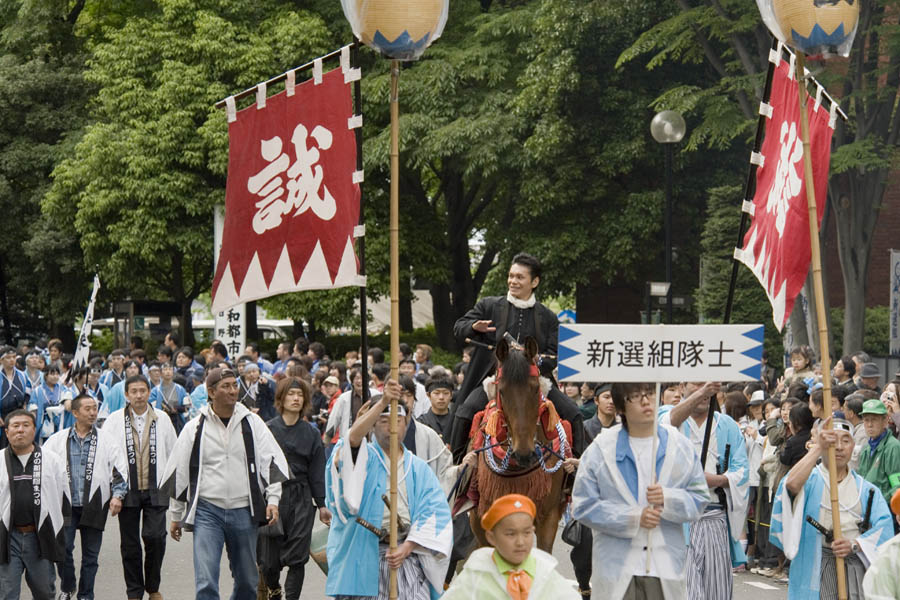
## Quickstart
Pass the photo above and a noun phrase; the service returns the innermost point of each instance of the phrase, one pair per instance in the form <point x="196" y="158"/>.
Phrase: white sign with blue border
<point x="609" y="353"/>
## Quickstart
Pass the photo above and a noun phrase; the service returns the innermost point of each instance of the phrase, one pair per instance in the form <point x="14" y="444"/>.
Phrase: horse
<point x="530" y="465"/>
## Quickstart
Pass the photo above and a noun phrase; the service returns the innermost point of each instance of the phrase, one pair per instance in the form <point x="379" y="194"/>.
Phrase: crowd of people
<point x="246" y="453"/>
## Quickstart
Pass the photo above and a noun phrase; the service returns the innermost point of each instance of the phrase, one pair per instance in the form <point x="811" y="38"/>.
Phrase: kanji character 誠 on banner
<point x="777" y="246"/>
<point x="292" y="197"/>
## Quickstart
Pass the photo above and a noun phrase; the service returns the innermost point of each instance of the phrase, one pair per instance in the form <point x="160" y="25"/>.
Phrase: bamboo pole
<point x="395" y="303"/>
<point x="820" y="308"/>
<point x="653" y="464"/>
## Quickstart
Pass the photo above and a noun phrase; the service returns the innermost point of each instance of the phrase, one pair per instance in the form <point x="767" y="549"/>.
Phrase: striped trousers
<point x="411" y="581"/>
<point x="855" y="570"/>
<point x="709" y="575"/>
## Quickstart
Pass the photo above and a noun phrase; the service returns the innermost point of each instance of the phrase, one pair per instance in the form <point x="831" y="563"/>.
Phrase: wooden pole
<point x="653" y="464"/>
<point x="395" y="302"/>
<point x="819" y="293"/>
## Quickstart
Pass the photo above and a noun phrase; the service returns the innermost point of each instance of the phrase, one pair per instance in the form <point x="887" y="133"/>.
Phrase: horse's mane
<point x="516" y="368"/>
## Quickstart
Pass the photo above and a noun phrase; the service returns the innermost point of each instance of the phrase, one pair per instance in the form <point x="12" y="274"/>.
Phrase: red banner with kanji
<point x="292" y="196"/>
<point x="777" y="246"/>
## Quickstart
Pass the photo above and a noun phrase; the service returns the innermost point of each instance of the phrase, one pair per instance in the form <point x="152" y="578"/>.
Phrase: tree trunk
<point x="187" y="326"/>
<point x="857" y="209"/>
<point x="798" y="326"/>
<point x="442" y="312"/>
<point x="252" y="329"/>
<point x="406" y="317"/>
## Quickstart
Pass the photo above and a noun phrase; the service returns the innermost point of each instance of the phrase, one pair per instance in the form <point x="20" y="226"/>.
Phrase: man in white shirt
<point x="636" y="509"/>
<point x="224" y="480"/>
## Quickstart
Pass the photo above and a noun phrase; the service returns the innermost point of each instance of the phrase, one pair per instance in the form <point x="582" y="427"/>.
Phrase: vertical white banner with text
<point x="231" y="324"/>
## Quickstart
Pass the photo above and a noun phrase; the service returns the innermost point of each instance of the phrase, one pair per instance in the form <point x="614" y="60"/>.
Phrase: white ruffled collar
<point x="521" y="304"/>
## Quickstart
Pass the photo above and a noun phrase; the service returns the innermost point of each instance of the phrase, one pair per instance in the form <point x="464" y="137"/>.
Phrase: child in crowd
<point x="513" y="568"/>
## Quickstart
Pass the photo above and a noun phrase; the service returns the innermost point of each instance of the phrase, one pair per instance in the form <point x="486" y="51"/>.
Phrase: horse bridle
<point x="542" y="450"/>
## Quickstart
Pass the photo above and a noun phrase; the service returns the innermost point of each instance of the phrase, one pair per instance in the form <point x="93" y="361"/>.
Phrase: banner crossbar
<point x="251" y="91"/>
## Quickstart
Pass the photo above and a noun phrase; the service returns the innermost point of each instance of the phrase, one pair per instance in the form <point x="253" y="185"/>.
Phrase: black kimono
<point x="302" y="447"/>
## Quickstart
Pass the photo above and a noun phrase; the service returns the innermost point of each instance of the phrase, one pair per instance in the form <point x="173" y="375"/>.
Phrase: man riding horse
<point x="520" y="315"/>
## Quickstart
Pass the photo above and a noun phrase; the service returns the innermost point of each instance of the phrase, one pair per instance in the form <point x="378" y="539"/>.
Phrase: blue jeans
<point x="25" y="556"/>
<point x="236" y="530"/>
<point x="90" y="550"/>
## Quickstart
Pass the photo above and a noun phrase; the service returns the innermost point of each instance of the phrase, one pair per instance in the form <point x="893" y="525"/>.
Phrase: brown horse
<point x="529" y="468"/>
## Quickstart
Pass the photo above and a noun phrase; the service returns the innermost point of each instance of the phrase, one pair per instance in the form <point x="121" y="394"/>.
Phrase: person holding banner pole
<point x="715" y="546"/>
<point x="638" y="519"/>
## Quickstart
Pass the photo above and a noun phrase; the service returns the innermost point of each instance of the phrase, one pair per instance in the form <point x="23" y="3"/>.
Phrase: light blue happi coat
<point x="605" y="499"/>
<point x="728" y="433"/>
<point x="355" y="489"/>
<point x="115" y="399"/>
<point x="802" y="543"/>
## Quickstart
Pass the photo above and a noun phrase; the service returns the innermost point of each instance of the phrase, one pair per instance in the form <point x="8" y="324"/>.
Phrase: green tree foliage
<point x="140" y="188"/>
<point x="717" y="242"/>
<point x="729" y="37"/>
<point x="42" y="107"/>
<point x="592" y="188"/>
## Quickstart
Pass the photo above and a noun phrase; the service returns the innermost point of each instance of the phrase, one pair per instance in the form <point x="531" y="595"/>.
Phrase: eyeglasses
<point x="639" y="396"/>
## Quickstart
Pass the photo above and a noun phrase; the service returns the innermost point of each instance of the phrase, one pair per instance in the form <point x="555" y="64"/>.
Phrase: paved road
<point x="178" y="573"/>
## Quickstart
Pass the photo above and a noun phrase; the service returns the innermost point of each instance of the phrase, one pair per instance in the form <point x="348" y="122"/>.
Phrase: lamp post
<point x="668" y="128"/>
<point x="399" y="30"/>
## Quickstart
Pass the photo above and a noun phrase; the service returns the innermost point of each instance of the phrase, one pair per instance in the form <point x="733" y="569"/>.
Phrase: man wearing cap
<point x="14" y="392"/>
<point x="869" y="375"/>
<point x="879" y="459"/>
<point x="511" y="568"/>
<point x="882" y="580"/>
<point x="605" y="416"/>
<point x="636" y="502"/>
<point x="224" y="480"/>
<point x="356" y="481"/>
<point x="146" y="438"/>
<point x="803" y="523"/>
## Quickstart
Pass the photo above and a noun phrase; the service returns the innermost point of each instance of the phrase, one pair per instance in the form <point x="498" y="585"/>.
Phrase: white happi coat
<point x="114" y="427"/>
<point x="270" y="468"/>
<point x="109" y="465"/>
<point x="54" y="506"/>
<point x="605" y="499"/>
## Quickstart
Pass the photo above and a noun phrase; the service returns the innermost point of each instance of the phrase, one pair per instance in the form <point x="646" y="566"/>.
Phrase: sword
<point x="829" y="536"/>
<point x="866" y="523"/>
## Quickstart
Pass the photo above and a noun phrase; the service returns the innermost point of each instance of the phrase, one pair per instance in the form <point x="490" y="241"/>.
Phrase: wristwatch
<point x="854" y="547"/>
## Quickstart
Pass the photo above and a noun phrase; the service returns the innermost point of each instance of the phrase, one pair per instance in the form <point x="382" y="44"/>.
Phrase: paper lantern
<point x="398" y="29"/>
<point x="813" y="26"/>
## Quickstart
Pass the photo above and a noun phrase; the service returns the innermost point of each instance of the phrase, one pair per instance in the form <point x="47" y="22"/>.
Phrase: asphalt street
<point x="178" y="573"/>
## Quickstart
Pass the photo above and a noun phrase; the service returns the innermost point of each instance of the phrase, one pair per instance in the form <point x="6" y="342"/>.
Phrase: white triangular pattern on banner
<point x="315" y="275"/>
<point x="226" y="296"/>
<point x="253" y="280"/>
<point x="283" y="277"/>
<point x="347" y="271"/>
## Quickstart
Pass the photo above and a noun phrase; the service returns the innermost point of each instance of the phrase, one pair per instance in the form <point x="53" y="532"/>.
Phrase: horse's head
<point x="519" y="387"/>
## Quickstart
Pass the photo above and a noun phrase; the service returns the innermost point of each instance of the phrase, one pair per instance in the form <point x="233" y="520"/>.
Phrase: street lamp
<point x="668" y="128"/>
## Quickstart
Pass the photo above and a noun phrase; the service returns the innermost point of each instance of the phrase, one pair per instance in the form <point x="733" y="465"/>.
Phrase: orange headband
<point x="505" y="506"/>
<point x="895" y="503"/>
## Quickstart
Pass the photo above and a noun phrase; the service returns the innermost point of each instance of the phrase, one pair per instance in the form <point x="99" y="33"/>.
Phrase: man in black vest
<point x="146" y="438"/>
<point x="519" y="315"/>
